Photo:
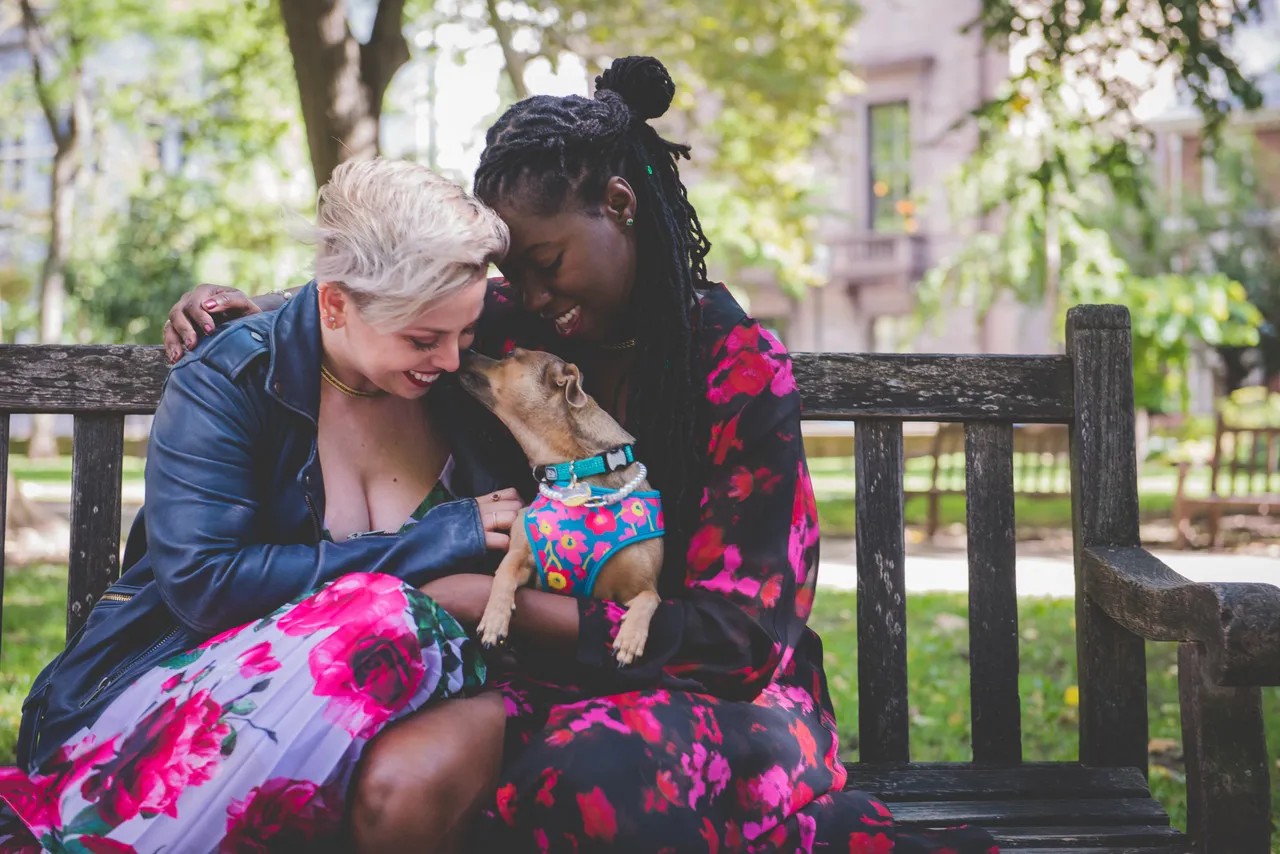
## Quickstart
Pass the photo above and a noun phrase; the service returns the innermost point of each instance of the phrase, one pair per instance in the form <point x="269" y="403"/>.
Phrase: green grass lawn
<point x="836" y="512"/>
<point x="35" y="607"/>
<point x="834" y="487"/>
<point x="58" y="469"/>
<point x="35" y="600"/>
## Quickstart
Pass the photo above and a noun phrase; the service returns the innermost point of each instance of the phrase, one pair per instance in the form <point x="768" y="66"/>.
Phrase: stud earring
<point x="630" y="222"/>
<point x="333" y="322"/>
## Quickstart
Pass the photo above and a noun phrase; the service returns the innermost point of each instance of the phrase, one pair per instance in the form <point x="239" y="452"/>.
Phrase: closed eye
<point x="419" y="344"/>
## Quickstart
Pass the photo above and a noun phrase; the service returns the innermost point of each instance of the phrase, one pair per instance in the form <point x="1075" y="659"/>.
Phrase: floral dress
<point x="249" y="741"/>
<point x="722" y="736"/>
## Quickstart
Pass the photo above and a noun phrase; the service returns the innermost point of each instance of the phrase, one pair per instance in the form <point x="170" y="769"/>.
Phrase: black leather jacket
<point x="233" y="518"/>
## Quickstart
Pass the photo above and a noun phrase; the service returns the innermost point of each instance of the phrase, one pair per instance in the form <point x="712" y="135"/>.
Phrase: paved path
<point x="1040" y="572"/>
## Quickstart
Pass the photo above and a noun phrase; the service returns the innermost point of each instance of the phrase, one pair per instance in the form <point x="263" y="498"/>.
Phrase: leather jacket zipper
<point x="116" y="597"/>
<point x="315" y="517"/>
<point x="111" y="678"/>
<point x="35" y="730"/>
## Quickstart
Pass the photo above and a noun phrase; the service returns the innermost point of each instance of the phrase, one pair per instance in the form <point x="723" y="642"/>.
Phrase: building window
<point x="889" y="168"/>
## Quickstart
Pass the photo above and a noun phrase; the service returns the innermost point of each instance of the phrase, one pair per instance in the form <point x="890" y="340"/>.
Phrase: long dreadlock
<point x="545" y="151"/>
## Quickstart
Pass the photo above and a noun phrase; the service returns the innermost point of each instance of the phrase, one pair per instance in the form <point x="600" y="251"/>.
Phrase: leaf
<point x="229" y="743"/>
<point x="88" y="822"/>
<point x="181" y="660"/>
<point x="243" y="706"/>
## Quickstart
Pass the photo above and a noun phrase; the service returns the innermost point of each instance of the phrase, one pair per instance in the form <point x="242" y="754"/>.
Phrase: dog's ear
<point x="569" y="378"/>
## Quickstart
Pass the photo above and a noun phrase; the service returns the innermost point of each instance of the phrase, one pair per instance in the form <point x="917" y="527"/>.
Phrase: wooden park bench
<point x="1229" y="634"/>
<point x="1244" y="475"/>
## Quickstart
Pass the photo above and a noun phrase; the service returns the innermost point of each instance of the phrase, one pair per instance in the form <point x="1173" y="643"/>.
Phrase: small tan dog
<point x="596" y="527"/>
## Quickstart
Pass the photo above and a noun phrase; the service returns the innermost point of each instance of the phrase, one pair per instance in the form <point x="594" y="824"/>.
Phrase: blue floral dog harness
<point x="571" y="544"/>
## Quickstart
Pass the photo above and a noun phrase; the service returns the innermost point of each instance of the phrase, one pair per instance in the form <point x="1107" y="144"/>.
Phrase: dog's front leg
<point x="634" y="631"/>
<point x="514" y="572"/>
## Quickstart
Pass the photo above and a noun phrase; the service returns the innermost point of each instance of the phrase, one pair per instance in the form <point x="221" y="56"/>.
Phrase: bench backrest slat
<point x="842" y="386"/>
<point x="883" y="715"/>
<point x="94" y="559"/>
<point x="993" y="594"/>
<point x="81" y="378"/>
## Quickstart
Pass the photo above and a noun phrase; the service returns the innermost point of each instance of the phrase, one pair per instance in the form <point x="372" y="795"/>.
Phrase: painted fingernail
<point x="208" y="328"/>
<point x="211" y="303"/>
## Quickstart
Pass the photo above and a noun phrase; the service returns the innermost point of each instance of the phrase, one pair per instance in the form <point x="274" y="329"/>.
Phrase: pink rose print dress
<point x="722" y="736"/>
<point x="247" y="742"/>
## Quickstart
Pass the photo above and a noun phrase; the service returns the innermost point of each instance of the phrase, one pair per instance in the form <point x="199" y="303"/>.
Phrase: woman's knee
<point x="427" y="772"/>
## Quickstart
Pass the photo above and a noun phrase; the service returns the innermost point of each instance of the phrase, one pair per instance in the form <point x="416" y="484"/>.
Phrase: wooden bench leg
<point x="1215" y="525"/>
<point x="1181" y="518"/>
<point x="1228" y="782"/>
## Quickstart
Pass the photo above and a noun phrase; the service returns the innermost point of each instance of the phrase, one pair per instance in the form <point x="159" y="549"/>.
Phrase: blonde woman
<point x="302" y="483"/>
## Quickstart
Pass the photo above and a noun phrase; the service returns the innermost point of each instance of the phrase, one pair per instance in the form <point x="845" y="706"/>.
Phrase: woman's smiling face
<point x="575" y="268"/>
<point x="406" y="362"/>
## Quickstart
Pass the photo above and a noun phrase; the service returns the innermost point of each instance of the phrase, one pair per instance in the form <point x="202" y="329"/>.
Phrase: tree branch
<point x="385" y="51"/>
<point x="35" y="46"/>
<point x="512" y="60"/>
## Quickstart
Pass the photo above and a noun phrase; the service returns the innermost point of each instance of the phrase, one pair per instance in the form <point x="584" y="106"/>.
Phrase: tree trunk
<point x="513" y="61"/>
<point x="66" y="130"/>
<point x="341" y="82"/>
<point x="20" y="512"/>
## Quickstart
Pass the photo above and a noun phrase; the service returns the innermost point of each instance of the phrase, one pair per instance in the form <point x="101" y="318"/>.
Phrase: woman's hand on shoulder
<point x="198" y="311"/>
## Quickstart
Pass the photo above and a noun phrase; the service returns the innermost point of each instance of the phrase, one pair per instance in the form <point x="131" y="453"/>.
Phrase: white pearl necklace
<point x="603" y="500"/>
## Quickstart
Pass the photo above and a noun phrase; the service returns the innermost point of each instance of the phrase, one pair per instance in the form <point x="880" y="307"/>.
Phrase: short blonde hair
<point x="397" y="237"/>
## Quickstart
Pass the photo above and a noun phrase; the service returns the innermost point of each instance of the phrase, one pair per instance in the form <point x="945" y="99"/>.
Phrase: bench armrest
<point x="1237" y="624"/>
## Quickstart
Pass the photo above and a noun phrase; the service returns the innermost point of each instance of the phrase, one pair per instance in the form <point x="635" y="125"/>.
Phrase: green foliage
<point x="1232" y="230"/>
<point x="174" y="233"/>
<point x="1064" y="202"/>
<point x="1089" y="42"/>
<point x="1253" y="407"/>
<point x="217" y="91"/>
<point x="757" y="89"/>
<point x="1172" y="313"/>
<point x="17" y="311"/>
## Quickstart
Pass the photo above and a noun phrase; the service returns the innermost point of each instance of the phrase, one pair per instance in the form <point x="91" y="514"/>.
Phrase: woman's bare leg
<point x="423" y="779"/>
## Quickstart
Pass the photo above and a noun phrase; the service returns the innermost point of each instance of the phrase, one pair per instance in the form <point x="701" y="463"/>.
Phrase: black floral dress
<point x="722" y="737"/>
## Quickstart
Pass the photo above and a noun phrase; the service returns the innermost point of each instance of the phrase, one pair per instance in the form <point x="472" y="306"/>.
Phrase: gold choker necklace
<point x="332" y="380"/>
<point x="621" y="345"/>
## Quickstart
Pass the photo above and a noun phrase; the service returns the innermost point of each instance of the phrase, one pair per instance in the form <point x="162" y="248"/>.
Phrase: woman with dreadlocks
<point x="722" y="735"/>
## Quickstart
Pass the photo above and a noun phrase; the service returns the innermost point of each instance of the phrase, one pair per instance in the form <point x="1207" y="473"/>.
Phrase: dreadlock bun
<point x="643" y="84"/>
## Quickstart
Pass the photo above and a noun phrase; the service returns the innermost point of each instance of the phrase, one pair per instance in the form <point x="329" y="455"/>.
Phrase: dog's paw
<point x="629" y="645"/>
<point x="493" y="626"/>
